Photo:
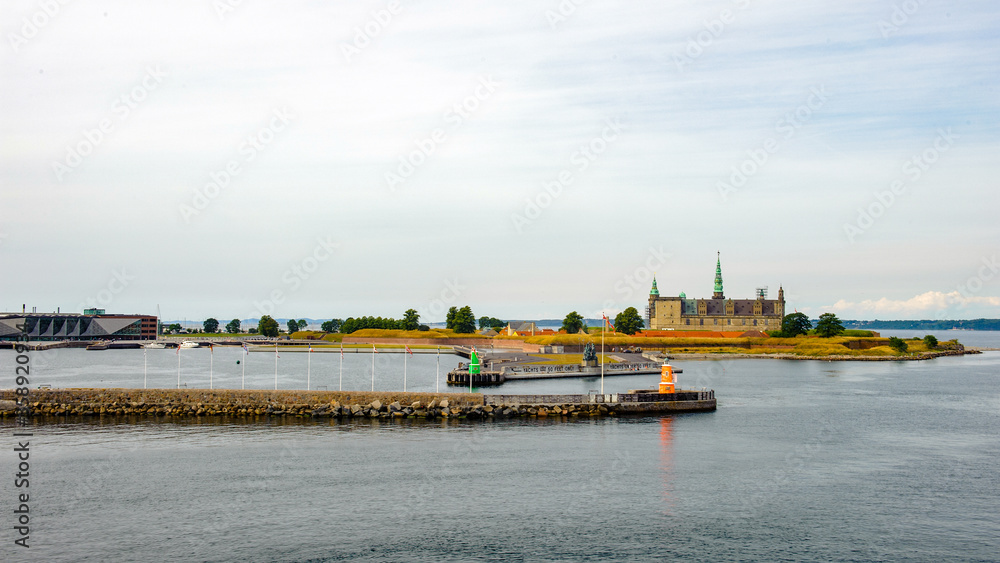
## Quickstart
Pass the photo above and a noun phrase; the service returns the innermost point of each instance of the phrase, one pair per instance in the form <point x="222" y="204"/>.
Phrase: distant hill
<point x="967" y="324"/>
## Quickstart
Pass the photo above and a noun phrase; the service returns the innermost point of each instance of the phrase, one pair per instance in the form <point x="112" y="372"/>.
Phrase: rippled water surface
<point x="803" y="461"/>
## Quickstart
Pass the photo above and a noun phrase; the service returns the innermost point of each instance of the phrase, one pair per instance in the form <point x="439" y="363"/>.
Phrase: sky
<point x="232" y="158"/>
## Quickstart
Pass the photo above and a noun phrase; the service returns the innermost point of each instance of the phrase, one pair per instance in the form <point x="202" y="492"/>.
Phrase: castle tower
<point x="718" y="278"/>
<point x="654" y="294"/>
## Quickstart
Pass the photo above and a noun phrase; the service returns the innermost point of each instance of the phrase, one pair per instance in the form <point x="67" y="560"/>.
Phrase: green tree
<point x="233" y="327"/>
<point x="268" y="326"/>
<point x="491" y="322"/>
<point x="332" y="325"/>
<point x="829" y="325"/>
<point x="464" y="321"/>
<point x="174" y="328"/>
<point x="252" y="330"/>
<point x="449" y="320"/>
<point x="411" y="320"/>
<point x="293" y="326"/>
<point x="898" y="344"/>
<point x="210" y="325"/>
<point x="795" y="324"/>
<point x="303" y="324"/>
<point x="628" y="321"/>
<point x="930" y="341"/>
<point x="572" y="323"/>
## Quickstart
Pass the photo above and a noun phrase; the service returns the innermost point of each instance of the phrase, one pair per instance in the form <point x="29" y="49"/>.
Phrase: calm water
<point x="803" y="461"/>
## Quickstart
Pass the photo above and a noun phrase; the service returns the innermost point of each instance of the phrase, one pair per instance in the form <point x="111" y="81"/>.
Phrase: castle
<point x="717" y="313"/>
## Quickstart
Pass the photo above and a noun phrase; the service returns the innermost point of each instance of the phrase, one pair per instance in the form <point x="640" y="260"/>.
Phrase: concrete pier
<point x="58" y="404"/>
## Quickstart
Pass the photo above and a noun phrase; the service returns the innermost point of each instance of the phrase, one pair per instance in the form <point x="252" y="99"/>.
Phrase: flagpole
<point x="603" y="325"/>
<point x="275" y="364"/>
<point x="309" y="366"/>
<point x="143" y="367"/>
<point x="437" y="376"/>
<point x="178" y="366"/>
<point x="341" y="366"/>
<point x="373" y="367"/>
<point x="244" y="384"/>
<point x="404" y="371"/>
<point x="211" y="367"/>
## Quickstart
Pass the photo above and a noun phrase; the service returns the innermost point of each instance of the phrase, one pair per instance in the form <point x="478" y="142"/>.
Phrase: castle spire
<point x="654" y="292"/>
<point x="718" y="277"/>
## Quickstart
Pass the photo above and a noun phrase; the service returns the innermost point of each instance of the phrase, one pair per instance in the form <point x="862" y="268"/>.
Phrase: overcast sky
<point x="334" y="159"/>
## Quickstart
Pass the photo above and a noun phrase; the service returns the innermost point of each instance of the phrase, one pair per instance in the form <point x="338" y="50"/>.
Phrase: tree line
<point x="461" y="320"/>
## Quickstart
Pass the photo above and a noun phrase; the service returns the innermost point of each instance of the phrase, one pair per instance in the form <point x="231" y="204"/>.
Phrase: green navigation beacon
<point x="473" y="363"/>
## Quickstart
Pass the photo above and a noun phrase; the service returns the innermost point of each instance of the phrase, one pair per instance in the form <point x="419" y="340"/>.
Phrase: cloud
<point x="931" y="301"/>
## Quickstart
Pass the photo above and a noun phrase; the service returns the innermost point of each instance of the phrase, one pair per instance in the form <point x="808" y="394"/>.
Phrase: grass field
<point x="569" y="359"/>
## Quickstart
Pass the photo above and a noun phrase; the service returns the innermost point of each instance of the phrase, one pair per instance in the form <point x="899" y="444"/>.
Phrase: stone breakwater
<point x="171" y="403"/>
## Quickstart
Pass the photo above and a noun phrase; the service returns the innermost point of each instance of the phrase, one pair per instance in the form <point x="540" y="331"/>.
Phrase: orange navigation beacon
<point x="668" y="379"/>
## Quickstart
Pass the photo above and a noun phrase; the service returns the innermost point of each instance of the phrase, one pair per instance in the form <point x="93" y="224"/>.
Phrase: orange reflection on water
<point x="666" y="461"/>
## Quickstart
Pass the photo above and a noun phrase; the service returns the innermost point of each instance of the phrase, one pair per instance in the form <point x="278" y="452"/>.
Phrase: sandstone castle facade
<point x="717" y="313"/>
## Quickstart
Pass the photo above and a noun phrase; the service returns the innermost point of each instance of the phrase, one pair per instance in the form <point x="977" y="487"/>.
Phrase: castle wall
<point x="666" y="313"/>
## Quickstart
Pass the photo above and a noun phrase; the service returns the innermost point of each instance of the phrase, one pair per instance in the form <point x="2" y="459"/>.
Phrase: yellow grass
<point x="568" y="358"/>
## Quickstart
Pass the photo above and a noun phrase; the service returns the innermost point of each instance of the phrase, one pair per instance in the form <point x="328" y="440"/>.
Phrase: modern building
<point x="717" y="313"/>
<point x="73" y="326"/>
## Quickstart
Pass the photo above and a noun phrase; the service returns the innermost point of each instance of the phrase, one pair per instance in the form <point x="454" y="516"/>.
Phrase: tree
<point x="233" y="327"/>
<point x="332" y="325"/>
<point x="464" y="321"/>
<point x="252" y="330"/>
<point x="268" y="326"/>
<point x="491" y="322"/>
<point x="897" y="344"/>
<point x="628" y="321"/>
<point x="303" y="324"/>
<point x="572" y="323"/>
<point x="411" y="320"/>
<point x="449" y="320"/>
<point x="930" y="341"/>
<point x="211" y="325"/>
<point x="293" y="326"/>
<point x="828" y="325"/>
<point x="174" y="328"/>
<point x="795" y="324"/>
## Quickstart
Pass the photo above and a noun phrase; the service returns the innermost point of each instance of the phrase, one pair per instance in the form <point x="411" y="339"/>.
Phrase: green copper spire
<point x="654" y="291"/>
<point x="718" y="277"/>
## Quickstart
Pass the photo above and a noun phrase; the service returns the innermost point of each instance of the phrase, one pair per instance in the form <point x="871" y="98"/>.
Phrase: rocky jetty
<point x="169" y="403"/>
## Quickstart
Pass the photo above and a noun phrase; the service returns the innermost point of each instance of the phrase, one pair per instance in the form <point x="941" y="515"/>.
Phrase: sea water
<point x="802" y="461"/>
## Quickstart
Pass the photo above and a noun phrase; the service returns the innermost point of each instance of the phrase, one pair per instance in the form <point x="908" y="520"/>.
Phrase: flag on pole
<point x="607" y="320"/>
<point x="374" y="349"/>
<point x="310" y="348"/>
<point x="341" y="350"/>
<point x="408" y="351"/>
<point x="245" y="349"/>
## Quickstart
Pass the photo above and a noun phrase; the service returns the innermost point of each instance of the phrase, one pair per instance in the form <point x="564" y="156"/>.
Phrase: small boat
<point x="99" y="345"/>
<point x="155" y="345"/>
<point x="190" y="344"/>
